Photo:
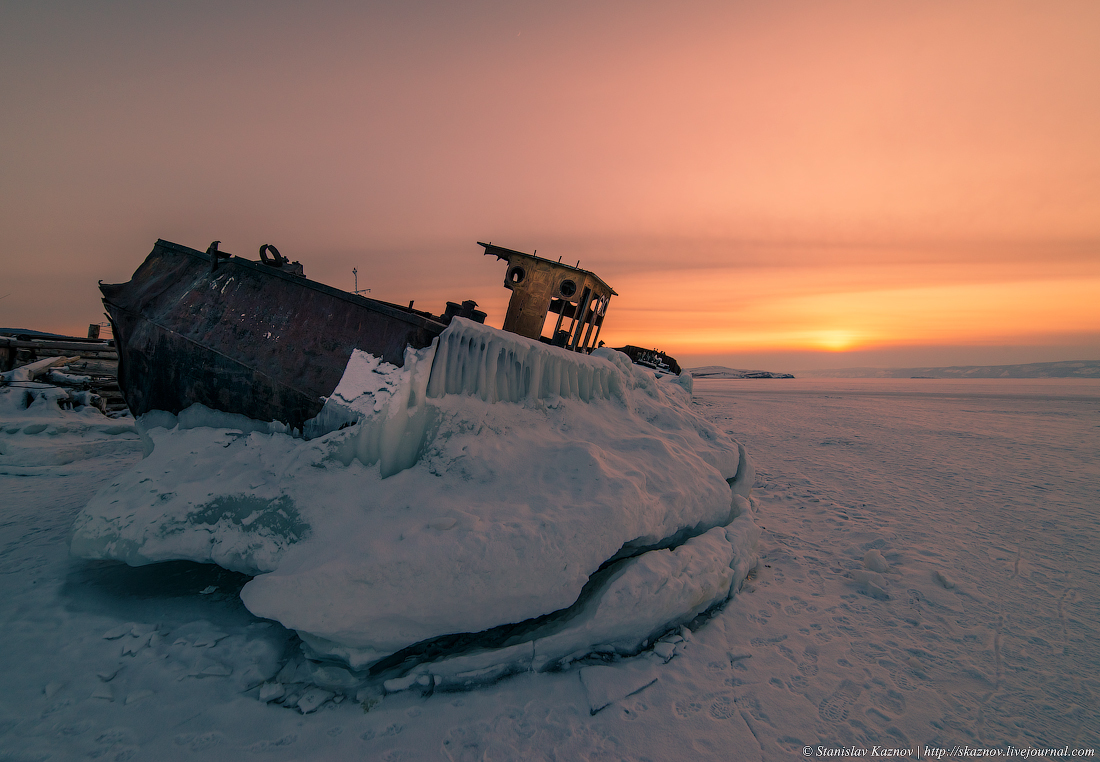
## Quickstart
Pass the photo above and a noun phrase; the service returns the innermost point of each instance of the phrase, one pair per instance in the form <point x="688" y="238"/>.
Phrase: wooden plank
<point x="71" y="347"/>
<point x="35" y="369"/>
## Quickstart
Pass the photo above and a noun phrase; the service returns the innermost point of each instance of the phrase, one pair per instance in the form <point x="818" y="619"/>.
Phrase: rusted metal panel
<point x="244" y="338"/>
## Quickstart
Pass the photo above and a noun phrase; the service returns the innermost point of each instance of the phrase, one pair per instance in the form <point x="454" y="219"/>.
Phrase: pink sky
<point x="778" y="184"/>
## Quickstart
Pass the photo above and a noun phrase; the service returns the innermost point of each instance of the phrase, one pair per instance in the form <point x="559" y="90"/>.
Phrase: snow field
<point x="991" y="485"/>
<point x="928" y="573"/>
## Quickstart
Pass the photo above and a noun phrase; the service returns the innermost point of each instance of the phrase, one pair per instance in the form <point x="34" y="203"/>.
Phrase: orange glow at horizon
<point x="781" y="310"/>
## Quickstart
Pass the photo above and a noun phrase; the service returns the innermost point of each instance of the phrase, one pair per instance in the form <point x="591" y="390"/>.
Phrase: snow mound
<point x="42" y="425"/>
<point x="494" y="505"/>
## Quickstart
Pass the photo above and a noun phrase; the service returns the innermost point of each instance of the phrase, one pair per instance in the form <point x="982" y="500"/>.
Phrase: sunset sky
<point x="765" y="183"/>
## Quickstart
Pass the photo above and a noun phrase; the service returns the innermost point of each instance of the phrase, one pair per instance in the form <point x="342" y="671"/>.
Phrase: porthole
<point x="516" y="275"/>
<point x="567" y="288"/>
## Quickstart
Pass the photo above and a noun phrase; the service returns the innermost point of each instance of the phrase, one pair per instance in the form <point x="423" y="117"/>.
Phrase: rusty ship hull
<point x="245" y="337"/>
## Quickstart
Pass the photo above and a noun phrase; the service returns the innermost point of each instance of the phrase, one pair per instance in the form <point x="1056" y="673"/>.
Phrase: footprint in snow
<point x="878" y="717"/>
<point x="835" y="707"/>
<point x="897" y="675"/>
<point x="752" y="704"/>
<point x="767" y="641"/>
<point x="475" y="744"/>
<point x="272" y="745"/>
<point x="687" y="709"/>
<point x="809" y="666"/>
<point x="866" y="650"/>
<point x="723" y="708"/>
<point x="891" y="701"/>
<point x="794" y="609"/>
<point x="199" y="741"/>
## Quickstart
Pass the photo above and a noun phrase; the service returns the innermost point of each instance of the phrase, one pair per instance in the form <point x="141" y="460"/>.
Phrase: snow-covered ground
<point x="928" y="577"/>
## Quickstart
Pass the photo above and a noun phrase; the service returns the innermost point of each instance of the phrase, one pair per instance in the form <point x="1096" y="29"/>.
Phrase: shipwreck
<point x="464" y="502"/>
<point x="258" y="338"/>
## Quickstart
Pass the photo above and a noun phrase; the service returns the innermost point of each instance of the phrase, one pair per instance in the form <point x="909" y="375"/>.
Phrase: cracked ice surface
<point x="483" y="484"/>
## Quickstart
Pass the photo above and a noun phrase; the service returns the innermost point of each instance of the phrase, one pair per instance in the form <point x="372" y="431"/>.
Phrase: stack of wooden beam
<point x="87" y="367"/>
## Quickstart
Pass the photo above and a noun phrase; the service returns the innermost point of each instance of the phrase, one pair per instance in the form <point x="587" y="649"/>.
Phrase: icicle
<point x="502" y="367"/>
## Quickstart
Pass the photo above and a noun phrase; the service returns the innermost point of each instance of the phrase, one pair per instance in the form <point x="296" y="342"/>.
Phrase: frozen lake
<point x="977" y="501"/>
<point x="993" y="483"/>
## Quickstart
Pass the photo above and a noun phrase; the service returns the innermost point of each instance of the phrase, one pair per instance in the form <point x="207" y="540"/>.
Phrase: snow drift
<point x="42" y="426"/>
<point x="496" y="504"/>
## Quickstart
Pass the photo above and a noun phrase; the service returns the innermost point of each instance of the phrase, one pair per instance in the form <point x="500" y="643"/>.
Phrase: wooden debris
<point x="36" y="369"/>
<point x="86" y="368"/>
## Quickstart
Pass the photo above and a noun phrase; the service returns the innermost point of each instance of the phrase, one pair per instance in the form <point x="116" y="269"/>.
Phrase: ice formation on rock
<point x="496" y="504"/>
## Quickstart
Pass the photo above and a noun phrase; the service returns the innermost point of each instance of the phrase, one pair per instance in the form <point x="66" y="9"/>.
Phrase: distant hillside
<point x="1066" y="369"/>
<point x="718" y="371"/>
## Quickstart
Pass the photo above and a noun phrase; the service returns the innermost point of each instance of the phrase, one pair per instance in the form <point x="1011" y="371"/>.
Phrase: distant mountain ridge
<point x="1064" y="369"/>
<point x="719" y="371"/>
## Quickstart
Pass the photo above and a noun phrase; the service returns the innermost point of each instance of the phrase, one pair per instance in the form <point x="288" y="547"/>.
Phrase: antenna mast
<point x="355" y="274"/>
